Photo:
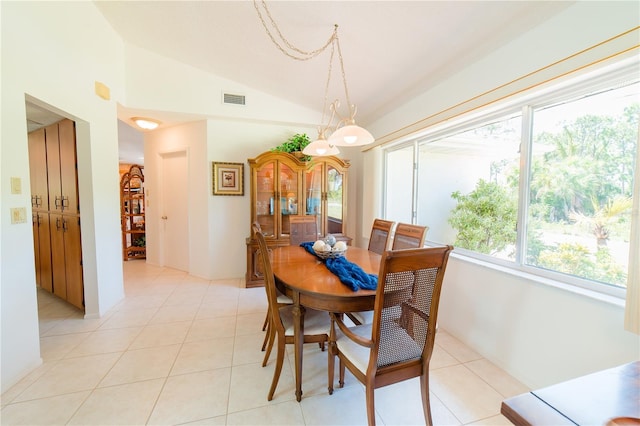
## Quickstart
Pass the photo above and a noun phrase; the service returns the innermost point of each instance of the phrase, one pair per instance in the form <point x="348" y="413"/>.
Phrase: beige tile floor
<point x="183" y="350"/>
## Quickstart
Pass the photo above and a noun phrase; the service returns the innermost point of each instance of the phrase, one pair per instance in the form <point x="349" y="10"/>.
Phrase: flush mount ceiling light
<point x="345" y="132"/>
<point x="145" y="123"/>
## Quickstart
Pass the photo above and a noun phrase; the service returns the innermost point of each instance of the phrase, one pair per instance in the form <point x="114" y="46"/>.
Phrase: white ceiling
<point x="392" y="49"/>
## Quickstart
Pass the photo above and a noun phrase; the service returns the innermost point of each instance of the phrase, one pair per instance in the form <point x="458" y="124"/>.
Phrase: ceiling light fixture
<point x="145" y="123"/>
<point x="346" y="132"/>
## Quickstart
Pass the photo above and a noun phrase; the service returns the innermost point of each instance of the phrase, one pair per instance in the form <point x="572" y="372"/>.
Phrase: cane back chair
<point x="398" y="344"/>
<point x="409" y="236"/>
<point x="302" y="229"/>
<point x="380" y="235"/>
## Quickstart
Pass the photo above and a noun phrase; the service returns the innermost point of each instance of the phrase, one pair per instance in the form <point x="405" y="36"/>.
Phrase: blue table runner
<point x="348" y="272"/>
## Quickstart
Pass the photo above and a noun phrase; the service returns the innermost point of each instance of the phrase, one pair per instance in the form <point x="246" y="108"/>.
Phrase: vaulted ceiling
<point x="391" y="49"/>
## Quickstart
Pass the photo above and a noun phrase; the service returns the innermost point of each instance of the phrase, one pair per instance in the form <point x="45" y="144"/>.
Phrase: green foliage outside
<point x="578" y="260"/>
<point x="485" y="218"/>
<point x="581" y="185"/>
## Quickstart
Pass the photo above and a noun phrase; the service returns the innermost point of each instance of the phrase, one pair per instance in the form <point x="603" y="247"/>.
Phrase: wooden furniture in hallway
<point x="132" y="208"/>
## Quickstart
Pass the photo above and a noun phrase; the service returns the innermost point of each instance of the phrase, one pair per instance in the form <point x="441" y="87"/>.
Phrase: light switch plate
<point x="18" y="215"/>
<point x="16" y="185"/>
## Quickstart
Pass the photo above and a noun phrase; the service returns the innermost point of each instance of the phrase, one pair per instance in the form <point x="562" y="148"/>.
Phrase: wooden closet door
<point x="68" y="174"/>
<point x="73" y="261"/>
<point x="42" y="250"/>
<point x="58" y="263"/>
<point x="38" y="170"/>
<point x="53" y="168"/>
<point x="36" y="245"/>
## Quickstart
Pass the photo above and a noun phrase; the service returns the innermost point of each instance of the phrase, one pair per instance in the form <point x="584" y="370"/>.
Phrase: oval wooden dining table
<point x="307" y="281"/>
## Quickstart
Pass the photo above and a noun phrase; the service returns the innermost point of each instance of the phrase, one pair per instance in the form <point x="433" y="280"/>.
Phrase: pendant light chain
<point x="322" y="129"/>
<point x="345" y="132"/>
<point x="305" y="55"/>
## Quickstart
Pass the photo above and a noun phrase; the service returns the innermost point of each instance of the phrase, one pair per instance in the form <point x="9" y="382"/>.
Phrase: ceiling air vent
<point x="228" y="98"/>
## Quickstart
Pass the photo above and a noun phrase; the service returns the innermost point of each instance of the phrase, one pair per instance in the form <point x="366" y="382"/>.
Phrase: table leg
<point x="298" y="341"/>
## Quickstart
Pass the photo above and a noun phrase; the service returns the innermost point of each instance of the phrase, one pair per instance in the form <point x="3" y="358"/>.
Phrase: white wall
<point x="539" y="334"/>
<point x="55" y="52"/>
<point x="236" y="142"/>
<point x="152" y="83"/>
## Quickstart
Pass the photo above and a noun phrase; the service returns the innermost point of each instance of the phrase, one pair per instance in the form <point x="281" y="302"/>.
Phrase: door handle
<point x="164" y="218"/>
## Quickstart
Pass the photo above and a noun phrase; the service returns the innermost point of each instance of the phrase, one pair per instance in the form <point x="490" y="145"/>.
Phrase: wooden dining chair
<point x="316" y="323"/>
<point x="380" y="235"/>
<point x="378" y="243"/>
<point x="398" y="344"/>
<point x="281" y="298"/>
<point x="302" y="228"/>
<point x="409" y="236"/>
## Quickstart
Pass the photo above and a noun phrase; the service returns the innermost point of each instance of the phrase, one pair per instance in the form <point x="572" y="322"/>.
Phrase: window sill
<point x="515" y="271"/>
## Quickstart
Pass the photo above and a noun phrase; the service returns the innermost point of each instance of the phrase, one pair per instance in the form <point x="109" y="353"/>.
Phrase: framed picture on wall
<point x="228" y="178"/>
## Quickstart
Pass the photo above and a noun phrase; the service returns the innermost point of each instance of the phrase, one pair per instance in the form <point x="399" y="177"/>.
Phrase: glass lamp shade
<point x="351" y="135"/>
<point x="320" y="148"/>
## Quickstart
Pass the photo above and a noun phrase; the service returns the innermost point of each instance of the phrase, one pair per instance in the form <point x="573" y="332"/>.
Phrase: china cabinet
<point x="132" y="214"/>
<point x="282" y="185"/>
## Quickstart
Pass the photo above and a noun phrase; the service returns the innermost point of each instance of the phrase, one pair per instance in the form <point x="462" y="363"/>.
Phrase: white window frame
<point x="618" y="74"/>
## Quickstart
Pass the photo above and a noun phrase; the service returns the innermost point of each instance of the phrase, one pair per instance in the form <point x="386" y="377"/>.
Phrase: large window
<point x="545" y="186"/>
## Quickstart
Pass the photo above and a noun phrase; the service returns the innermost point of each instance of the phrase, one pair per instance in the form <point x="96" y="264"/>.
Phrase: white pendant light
<point x="320" y="147"/>
<point x="351" y="135"/>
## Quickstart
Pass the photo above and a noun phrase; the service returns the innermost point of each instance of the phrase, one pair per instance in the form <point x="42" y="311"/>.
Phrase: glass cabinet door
<point x="265" y="199"/>
<point x="288" y="202"/>
<point x="313" y="194"/>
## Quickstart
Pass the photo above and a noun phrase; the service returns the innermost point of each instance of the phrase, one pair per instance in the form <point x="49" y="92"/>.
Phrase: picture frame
<point x="228" y="178"/>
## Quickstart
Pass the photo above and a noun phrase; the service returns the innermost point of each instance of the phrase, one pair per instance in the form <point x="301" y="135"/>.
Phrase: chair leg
<point x="371" y="412"/>
<point x="266" y="322"/>
<point x="266" y="335"/>
<point x="426" y="405"/>
<point x="271" y="335"/>
<point x="341" y="380"/>
<point x="331" y="357"/>
<point x="278" y="370"/>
